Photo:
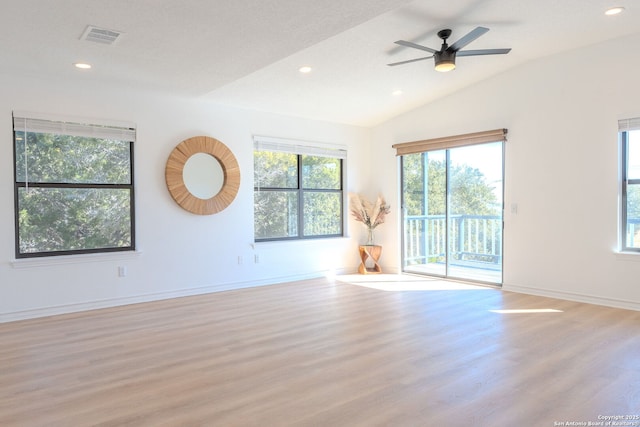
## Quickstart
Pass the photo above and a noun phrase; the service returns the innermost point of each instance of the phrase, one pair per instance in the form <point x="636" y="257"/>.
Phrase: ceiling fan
<point x="445" y="58"/>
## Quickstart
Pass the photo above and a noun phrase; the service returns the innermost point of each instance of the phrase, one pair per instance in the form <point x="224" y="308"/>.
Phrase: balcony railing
<point x="633" y="233"/>
<point x="474" y="239"/>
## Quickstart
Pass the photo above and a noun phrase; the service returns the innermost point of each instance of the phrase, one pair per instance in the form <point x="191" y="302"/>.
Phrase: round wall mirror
<point x="202" y="175"/>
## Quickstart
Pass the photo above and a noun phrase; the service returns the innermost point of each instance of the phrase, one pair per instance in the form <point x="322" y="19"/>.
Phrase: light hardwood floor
<point x="324" y="353"/>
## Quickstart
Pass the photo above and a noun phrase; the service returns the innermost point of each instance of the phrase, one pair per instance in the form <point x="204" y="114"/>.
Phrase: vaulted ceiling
<point x="247" y="53"/>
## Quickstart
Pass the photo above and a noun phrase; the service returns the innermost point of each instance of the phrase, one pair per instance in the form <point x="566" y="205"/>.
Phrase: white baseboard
<point x="571" y="296"/>
<point x="116" y="302"/>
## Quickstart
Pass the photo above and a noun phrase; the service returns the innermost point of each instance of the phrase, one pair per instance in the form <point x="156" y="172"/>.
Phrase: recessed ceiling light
<point x="305" y="69"/>
<point x="614" y="11"/>
<point x="82" y="65"/>
<point x="396" y="92"/>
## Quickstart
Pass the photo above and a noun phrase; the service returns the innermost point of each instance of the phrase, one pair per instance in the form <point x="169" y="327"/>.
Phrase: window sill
<point x="73" y="259"/>
<point x="317" y="241"/>
<point x="628" y="256"/>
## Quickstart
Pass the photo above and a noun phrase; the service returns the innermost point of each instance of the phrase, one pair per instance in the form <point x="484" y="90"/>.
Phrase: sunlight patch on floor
<point x="404" y="282"/>
<point x="527" y="310"/>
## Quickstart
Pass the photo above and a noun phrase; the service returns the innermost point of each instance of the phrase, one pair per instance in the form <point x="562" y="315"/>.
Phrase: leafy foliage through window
<point x="73" y="188"/>
<point x="630" y="150"/>
<point x="474" y="195"/>
<point x="297" y="195"/>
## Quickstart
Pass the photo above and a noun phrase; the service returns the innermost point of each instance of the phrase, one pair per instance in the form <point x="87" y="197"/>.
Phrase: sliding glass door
<point x="452" y="206"/>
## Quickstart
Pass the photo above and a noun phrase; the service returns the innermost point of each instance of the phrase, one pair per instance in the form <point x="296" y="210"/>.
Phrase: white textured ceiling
<point x="246" y="53"/>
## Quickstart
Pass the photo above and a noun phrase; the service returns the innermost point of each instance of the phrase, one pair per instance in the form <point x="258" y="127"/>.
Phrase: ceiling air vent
<point x="100" y="35"/>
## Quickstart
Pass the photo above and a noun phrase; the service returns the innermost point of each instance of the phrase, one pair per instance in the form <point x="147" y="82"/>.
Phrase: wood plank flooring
<point x="324" y="353"/>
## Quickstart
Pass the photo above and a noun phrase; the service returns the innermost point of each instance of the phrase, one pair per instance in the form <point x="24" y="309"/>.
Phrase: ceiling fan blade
<point x="482" y="52"/>
<point x="471" y="36"/>
<point x="409" y="61"/>
<point x="415" y="46"/>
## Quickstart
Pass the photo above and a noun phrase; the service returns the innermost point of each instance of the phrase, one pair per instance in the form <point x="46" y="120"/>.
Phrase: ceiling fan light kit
<point x="445" y="61"/>
<point x="445" y="58"/>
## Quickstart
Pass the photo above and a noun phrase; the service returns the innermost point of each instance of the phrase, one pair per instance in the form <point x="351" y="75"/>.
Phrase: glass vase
<point x="370" y="237"/>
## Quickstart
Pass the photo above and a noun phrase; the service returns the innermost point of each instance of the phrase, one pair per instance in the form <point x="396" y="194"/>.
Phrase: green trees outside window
<point x="73" y="194"/>
<point x="297" y="196"/>
<point x="475" y="195"/>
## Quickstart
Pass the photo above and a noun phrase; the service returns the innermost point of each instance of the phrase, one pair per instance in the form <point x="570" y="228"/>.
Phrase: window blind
<point x="625" y="125"/>
<point x="261" y="143"/>
<point x="450" y="142"/>
<point x="37" y="125"/>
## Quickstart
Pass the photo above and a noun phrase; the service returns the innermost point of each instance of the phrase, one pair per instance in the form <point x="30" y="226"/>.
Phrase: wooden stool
<point x="372" y="252"/>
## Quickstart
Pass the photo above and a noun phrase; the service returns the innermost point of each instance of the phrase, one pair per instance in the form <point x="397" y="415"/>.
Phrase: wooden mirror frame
<point x="175" y="181"/>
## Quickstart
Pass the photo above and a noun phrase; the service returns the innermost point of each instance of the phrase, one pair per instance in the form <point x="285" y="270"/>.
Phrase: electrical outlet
<point x="122" y="271"/>
<point x="256" y="258"/>
<point x="239" y="259"/>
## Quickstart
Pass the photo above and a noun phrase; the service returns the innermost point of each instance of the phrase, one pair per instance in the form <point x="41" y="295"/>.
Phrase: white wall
<point x="180" y="253"/>
<point x="561" y="167"/>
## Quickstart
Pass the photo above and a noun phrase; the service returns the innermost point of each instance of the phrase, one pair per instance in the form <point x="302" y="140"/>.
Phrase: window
<point x="73" y="187"/>
<point x="298" y="190"/>
<point x="629" y="135"/>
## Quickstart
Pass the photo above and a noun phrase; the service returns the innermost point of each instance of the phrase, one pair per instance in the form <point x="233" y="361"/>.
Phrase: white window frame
<point x="624" y="127"/>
